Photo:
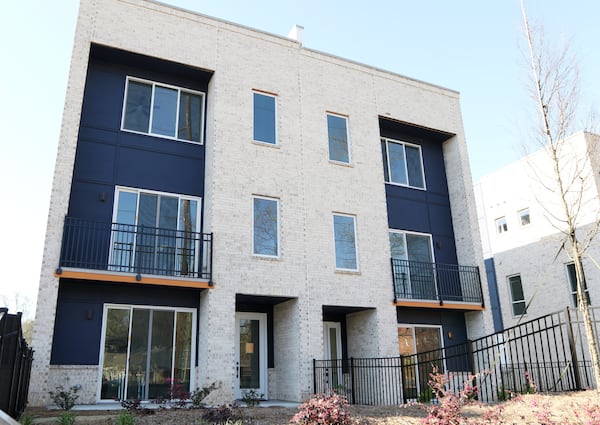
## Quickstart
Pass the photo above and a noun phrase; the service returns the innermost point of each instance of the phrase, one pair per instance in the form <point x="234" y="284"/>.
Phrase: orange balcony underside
<point x="435" y="304"/>
<point x="131" y="278"/>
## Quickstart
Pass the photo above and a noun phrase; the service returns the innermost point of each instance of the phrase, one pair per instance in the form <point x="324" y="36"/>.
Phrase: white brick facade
<point x="296" y="171"/>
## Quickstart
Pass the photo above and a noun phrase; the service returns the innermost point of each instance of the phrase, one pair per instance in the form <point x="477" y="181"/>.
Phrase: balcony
<point x="435" y="285"/>
<point x="124" y="252"/>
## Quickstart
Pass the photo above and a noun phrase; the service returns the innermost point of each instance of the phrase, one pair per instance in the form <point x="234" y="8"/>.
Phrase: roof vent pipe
<point x="297" y="33"/>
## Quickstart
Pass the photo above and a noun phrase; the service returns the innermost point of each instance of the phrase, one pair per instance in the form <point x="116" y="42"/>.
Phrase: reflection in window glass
<point x="524" y="217"/>
<point x="175" y="113"/>
<point x="501" y="225"/>
<point x="266" y="235"/>
<point x="264" y="118"/>
<point x="338" y="138"/>
<point x="517" y="296"/>
<point x="402" y="163"/>
<point x="345" y="242"/>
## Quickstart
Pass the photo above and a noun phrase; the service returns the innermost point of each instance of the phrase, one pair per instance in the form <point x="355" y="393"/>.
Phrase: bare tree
<point x="555" y="89"/>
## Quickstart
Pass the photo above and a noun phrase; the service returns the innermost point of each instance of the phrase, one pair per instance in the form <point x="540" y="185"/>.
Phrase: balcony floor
<point x="446" y="305"/>
<point x="107" y="276"/>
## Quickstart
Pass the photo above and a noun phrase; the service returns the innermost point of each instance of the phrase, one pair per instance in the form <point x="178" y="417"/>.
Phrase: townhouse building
<point x="520" y="215"/>
<point x="229" y="205"/>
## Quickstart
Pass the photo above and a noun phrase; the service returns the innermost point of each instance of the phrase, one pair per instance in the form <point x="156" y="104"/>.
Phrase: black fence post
<point x="353" y="392"/>
<point x="572" y="348"/>
<point x="314" y="376"/>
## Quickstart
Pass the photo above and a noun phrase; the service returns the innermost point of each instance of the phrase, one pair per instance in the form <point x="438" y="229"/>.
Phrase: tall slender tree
<point x="555" y="90"/>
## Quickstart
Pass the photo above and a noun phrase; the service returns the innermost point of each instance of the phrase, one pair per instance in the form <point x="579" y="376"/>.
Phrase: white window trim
<point x="357" y="269"/>
<point x="262" y="142"/>
<point x="169" y="86"/>
<point x="130" y="307"/>
<point x="254" y="254"/>
<point x="410" y="232"/>
<point x="387" y="140"/>
<point x="498" y="232"/>
<point x="510" y="293"/>
<point x="346" y="118"/>
<point x="520" y="217"/>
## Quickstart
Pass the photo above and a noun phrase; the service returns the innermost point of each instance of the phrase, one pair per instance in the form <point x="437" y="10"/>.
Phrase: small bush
<point x="65" y="399"/>
<point x="125" y="418"/>
<point x="67" y="418"/>
<point x="224" y="414"/>
<point x="199" y="395"/>
<point x="324" y="409"/>
<point x="26" y="419"/>
<point x="252" y="398"/>
<point x="135" y="407"/>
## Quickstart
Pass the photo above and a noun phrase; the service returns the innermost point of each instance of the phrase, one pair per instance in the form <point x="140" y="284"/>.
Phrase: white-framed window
<point x="344" y="231"/>
<point x="339" y="139"/>
<point x="524" y="217"/>
<point x="517" y="297"/>
<point x="163" y="110"/>
<point x="414" y="273"/>
<point x="572" y="279"/>
<point x="145" y="350"/>
<point x="501" y="225"/>
<point x="403" y="163"/>
<point x="155" y="232"/>
<point x="265" y="225"/>
<point x="265" y="118"/>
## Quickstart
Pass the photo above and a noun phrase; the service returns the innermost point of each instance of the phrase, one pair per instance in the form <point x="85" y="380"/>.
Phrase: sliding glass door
<point x="146" y="351"/>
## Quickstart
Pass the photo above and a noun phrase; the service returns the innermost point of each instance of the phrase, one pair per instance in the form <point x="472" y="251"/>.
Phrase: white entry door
<point x="251" y="349"/>
<point x="332" y="345"/>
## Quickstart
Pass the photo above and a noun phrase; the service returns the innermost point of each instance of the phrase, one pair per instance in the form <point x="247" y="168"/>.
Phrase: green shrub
<point x="125" y="418"/>
<point x="65" y="399"/>
<point x="67" y="418"/>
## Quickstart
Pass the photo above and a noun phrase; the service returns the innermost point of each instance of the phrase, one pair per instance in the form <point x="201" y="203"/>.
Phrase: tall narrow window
<point x="265" y="121"/>
<point x="403" y="163"/>
<point x="572" y="278"/>
<point x="163" y="111"/>
<point x="337" y="130"/>
<point x="516" y="294"/>
<point x="344" y="229"/>
<point x="413" y="265"/>
<point x="266" y="227"/>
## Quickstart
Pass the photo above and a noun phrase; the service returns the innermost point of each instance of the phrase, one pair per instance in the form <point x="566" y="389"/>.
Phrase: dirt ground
<point x="527" y="410"/>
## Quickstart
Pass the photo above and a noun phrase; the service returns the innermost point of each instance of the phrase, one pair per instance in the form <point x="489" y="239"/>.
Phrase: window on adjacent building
<point x="266" y="226"/>
<point x="572" y="277"/>
<point x="164" y="111"/>
<point x="265" y="118"/>
<point x="516" y="294"/>
<point x="402" y="163"/>
<point x="337" y="131"/>
<point x="344" y="229"/>
<point x="501" y="225"/>
<point x="524" y="217"/>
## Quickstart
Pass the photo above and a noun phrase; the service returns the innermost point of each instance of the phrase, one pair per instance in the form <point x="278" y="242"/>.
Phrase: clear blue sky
<point x="466" y="45"/>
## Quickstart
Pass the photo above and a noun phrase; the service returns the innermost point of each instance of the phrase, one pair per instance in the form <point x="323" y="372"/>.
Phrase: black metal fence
<point x="549" y="352"/>
<point x="15" y="364"/>
<point x="136" y="249"/>
<point x="417" y="280"/>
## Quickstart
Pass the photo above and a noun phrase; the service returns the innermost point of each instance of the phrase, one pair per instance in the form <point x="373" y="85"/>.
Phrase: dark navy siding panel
<point x="78" y="326"/>
<point x="451" y="321"/>
<point x="425" y="211"/>
<point x="107" y="157"/>
<point x="490" y="272"/>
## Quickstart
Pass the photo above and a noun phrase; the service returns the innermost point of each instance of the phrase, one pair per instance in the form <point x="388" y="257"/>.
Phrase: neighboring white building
<point x="520" y="216"/>
<point x="222" y="210"/>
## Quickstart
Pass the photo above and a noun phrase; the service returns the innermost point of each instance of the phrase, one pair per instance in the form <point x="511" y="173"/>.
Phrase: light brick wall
<point x="296" y="171"/>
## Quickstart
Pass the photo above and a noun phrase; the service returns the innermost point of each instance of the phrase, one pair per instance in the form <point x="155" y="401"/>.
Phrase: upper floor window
<point x="517" y="296"/>
<point x="572" y="277"/>
<point x="265" y="118"/>
<point x="501" y="225"/>
<point x="337" y="131"/>
<point x="265" y="234"/>
<point x="164" y="111"/>
<point x="402" y="163"/>
<point x="524" y="217"/>
<point x="344" y="230"/>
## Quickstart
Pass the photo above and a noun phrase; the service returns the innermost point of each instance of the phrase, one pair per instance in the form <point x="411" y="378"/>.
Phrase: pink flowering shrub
<point x="324" y="409"/>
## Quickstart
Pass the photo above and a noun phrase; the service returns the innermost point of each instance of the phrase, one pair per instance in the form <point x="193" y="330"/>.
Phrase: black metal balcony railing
<point x="416" y="280"/>
<point x="136" y="249"/>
